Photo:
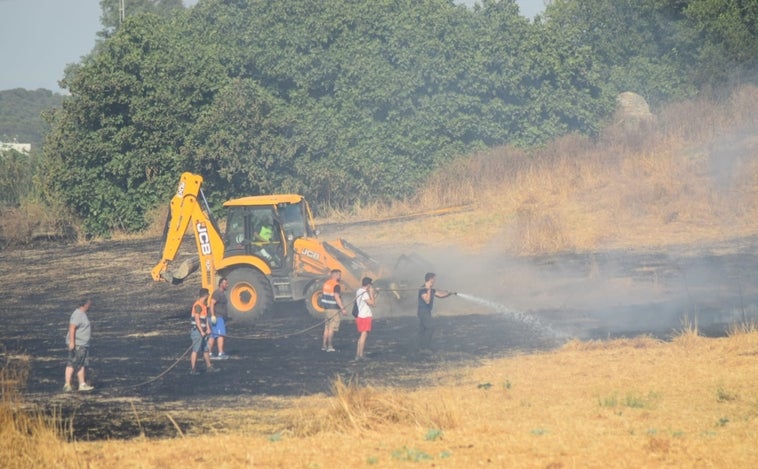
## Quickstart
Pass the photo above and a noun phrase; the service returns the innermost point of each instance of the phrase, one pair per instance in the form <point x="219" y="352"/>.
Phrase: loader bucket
<point x="403" y="282"/>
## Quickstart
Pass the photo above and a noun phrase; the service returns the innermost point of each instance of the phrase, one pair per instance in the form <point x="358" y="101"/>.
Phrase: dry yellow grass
<point x="692" y="177"/>
<point x="692" y="402"/>
<point x="27" y="439"/>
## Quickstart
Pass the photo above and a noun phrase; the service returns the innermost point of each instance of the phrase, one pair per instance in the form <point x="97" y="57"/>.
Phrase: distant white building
<point x="19" y="147"/>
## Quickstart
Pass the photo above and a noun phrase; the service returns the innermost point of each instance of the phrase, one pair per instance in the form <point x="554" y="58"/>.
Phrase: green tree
<point x="15" y="177"/>
<point x="728" y="33"/>
<point x="635" y="46"/>
<point x="112" y="13"/>
<point x="114" y="152"/>
<point x="240" y="144"/>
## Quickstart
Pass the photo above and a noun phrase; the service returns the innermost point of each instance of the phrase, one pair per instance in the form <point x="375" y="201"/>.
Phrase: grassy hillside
<point x="691" y="176"/>
<point x="21" y="114"/>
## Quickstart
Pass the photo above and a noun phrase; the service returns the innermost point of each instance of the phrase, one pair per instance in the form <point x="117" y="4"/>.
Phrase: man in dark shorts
<point x="426" y="295"/>
<point x="77" y="341"/>
<point x="218" y="320"/>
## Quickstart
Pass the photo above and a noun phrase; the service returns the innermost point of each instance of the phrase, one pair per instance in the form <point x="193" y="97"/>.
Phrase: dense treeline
<point x="21" y="121"/>
<point x="346" y="101"/>
<point x="21" y="114"/>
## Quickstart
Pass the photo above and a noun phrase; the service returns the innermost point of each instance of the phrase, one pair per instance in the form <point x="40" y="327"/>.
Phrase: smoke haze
<point x="604" y="294"/>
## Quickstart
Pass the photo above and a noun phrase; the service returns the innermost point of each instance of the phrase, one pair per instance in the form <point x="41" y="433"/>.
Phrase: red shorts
<point x="363" y="324"/>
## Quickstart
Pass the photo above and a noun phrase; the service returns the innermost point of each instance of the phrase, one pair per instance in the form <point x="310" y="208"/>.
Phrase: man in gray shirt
<point x="218" y="320"/>
<point x="77" y="340"/>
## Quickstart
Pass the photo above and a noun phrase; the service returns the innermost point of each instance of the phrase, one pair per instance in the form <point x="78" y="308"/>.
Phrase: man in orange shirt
<point x="331" y="301"/>
<point x="200" y="332"/>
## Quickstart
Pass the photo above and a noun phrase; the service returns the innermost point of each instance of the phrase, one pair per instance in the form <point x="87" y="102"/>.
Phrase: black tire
<point x="312" y="297"/>
<point x="250" y="294"/>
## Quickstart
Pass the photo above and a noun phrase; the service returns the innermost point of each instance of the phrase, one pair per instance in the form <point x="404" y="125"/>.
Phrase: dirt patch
<point x="141" y="327"/>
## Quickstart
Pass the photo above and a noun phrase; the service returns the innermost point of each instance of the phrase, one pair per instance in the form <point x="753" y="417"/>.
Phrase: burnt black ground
<point x="141" y="328"/>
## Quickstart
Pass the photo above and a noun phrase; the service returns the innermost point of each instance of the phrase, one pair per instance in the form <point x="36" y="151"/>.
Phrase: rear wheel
<point x="312" y="303"/>
<point x="250" y="294"/>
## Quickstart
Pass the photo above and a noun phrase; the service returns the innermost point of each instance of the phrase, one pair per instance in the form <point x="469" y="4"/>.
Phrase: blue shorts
<point x="199" y="343"/>
<point x="218" y="329"/>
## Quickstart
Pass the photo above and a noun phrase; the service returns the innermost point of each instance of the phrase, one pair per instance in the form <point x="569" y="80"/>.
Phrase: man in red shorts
<point x="365" y="298"/>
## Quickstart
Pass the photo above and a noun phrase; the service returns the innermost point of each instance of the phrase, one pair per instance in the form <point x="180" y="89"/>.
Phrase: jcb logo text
<point x="204" y="238"/>
<point x="312" y="254"/>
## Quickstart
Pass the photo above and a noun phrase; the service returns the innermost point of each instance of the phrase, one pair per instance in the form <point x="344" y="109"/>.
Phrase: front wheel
<point x="250" y="294"/>
<point x="313" y="300"/>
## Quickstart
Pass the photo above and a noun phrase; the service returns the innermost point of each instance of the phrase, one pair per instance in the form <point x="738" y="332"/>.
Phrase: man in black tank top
<point x="426" y="295"/>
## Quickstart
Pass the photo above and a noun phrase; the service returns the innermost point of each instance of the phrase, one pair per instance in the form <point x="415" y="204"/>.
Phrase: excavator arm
<point x="186" y="211"/>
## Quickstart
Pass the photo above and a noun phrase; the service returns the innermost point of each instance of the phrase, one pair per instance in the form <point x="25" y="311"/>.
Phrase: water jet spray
<point x="520" y="316"/>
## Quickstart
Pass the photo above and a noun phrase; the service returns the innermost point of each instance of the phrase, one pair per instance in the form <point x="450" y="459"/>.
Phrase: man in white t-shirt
<point x="365" y="298"/>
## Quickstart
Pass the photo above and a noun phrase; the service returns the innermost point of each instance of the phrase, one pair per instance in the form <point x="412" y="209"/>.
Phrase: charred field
<point x="510" y="306"/>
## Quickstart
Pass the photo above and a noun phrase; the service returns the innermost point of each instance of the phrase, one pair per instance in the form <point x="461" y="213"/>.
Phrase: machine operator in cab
<point x="265" y="236"/>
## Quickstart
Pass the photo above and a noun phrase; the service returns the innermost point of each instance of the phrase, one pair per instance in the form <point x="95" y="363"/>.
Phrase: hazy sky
<point x="38" y="38"/>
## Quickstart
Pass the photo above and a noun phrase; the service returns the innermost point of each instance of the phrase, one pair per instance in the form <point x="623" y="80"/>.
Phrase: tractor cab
<point x="267" y="226"/>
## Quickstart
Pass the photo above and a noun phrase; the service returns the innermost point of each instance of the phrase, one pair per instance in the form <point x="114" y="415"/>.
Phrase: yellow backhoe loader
<point x="268" y="253"/>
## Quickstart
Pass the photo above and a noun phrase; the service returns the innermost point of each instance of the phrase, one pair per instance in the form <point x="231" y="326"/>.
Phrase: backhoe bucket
<point x="182" y="272"/>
